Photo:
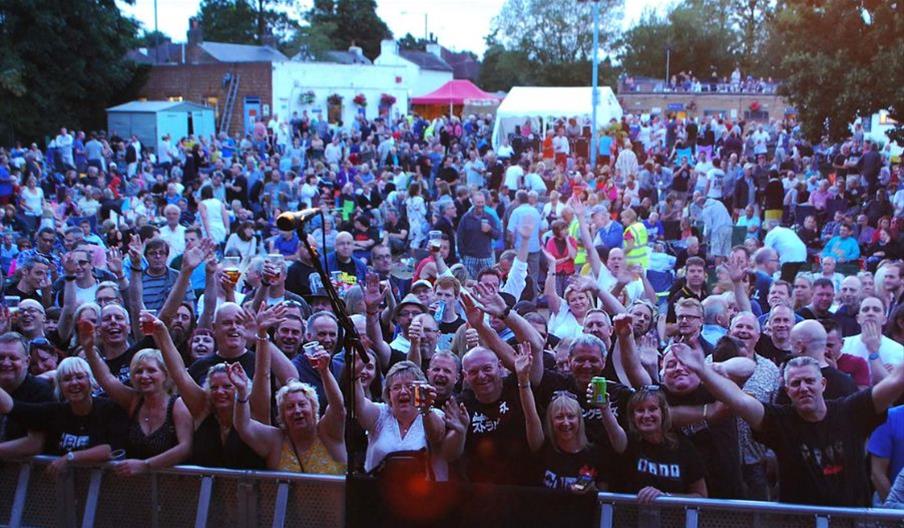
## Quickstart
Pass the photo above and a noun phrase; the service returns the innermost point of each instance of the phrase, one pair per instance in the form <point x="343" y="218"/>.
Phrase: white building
<point x="426" y="70"/>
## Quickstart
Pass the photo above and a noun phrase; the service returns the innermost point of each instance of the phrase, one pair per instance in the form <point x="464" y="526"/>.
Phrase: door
<point x="251" y="112"/>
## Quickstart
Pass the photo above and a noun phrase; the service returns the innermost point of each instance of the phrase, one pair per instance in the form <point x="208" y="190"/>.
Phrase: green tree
<point x="697" y="42"/>
<point x="150" y="39"/>
<point x="843" y="59"/>
<point x="62" y="64"/>
<point x="355" y="21"/>
<point x="246" y="21"/>
<point x="410" y="42"/>
<point x="554" y="32"/>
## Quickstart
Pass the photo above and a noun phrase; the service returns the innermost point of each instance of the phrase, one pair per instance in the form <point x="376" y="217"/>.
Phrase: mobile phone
<point x="583" y="483"/>
<point x="11" y="302"/>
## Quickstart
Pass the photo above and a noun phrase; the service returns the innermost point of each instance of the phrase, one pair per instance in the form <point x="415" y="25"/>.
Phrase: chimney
<point x="435" y="49"/>
<point x="389" y="47"/>
<point x="195" y="33"/>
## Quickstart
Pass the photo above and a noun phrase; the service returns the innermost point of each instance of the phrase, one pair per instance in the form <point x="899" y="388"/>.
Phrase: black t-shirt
<point x="300" y="278"/>
<point x="31" y="390"/>
<point x="198" y="369"/>
<point x="65" y="431"/>
<point x="560" y="470"/>
<point x="447" y="331"/>
<point x="14" y="290"/>
<point x="824" y="462"/>
<point x="668" y="467"/>
<point x="348" y="267"/>
<point x="766" y="348"/>
<point x="838" y="385"/>
<point x="119" y="366"/>
<point x="496" y="446"/>
<point x="210" y="451"/>
<point x="716" y="443"/>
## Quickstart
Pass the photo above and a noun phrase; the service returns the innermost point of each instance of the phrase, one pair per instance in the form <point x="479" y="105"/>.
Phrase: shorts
<point x="720" y="242"/>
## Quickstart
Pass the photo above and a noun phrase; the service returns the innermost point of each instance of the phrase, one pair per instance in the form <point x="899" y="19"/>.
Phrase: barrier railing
<point x="199" y="496"/>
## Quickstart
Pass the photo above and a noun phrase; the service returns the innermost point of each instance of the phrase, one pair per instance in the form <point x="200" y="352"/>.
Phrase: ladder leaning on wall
<point x="232" y="91"/>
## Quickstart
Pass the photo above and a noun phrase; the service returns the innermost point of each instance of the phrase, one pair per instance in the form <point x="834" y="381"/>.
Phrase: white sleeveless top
<point x="215" y="220"/>
<point x="386" y="438"/>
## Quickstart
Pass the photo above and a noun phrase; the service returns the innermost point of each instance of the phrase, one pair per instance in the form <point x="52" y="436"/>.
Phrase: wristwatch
<point x="873" y="356"/>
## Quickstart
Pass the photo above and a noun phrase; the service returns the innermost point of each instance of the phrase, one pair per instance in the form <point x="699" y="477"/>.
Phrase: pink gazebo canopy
<point x="454" y="92"/>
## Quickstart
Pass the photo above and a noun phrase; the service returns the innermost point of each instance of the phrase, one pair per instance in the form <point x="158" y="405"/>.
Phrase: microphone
<point x="290" y="221"/>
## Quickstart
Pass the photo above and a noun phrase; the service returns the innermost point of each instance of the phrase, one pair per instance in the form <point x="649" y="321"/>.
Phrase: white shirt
<point x="890" y="352"/>
<point x="787" y="244"/>
<point x="512" y="176"/>
<point x="385" y="438"/>
<point x="607" y="281"/>
<point x="175" y="239"/>
<point x="560" y="145"/>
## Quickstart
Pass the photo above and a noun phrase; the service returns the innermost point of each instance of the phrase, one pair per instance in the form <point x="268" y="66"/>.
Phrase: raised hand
<point x="320" y="359"/>
<point x="70" y="266"/>
<point x="736" y="266"/>
<point x="114" y="262"/>
<point x="472" y="311"/>
<point x="149" y="320"/>
<point x="472" y="338"/>
<point x="523" y="361"/>
<point x="374" y="293"/>
<point x="239" y="379"/>
<point x="691" y="358"/>
<point x="428" y="396"/>
<point x="492" y="302"/>
<point x="456" y="416"/>
<point x="621" y="324"/>
<point x="577" y="205"/>
<point x="194" y="256"/>
<point x="136" y="249"/>
<point x="86" y="332"/>
<point x="415" y="332"/>
<point x="526" y="229"/>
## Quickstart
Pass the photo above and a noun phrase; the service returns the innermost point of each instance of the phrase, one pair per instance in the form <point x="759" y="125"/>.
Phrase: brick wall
<point x="636" y="103"/>
<point x="198" y="82"/>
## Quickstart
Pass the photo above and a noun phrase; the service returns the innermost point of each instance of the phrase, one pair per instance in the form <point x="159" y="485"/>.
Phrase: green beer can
<point x="600" y="397"/>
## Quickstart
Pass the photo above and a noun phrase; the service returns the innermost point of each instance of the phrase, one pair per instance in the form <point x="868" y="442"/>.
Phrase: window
<point x="758" y="115"/>
<point x="174" y="98"/>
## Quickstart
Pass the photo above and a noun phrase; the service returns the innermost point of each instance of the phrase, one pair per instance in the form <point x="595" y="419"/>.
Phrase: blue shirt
<point x="843" y="249"/>
<point x="525" y="211"/>
<point x="887" y="441"/>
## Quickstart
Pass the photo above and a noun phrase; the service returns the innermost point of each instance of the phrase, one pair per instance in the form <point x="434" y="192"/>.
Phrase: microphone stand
<point x="353" y="348"/>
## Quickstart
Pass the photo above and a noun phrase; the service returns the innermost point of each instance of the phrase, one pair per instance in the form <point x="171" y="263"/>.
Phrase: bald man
<point x="846" y="314"/>
<point x="808" y="338"/>
<point x="343" y="259"/>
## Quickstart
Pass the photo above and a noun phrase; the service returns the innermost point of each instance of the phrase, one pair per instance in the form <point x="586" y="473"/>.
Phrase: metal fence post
<point x="91" y="499"/>
<point x="155" y="502"/>
<point x="282" y="502"/>
<point x="18" y="507"/>
<point x="690" y="517"/>
<point x="65" y="492"/>
<point x="204" y="501"/>
<point x="822" y="521"/>
<point x="246" y="497"/>
<point x="607" y="513"/>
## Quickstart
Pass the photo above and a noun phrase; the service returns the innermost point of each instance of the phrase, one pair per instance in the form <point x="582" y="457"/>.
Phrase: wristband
<point x="69" y="278"/>
<point x="265" y="283"/>
<point x="239" y="400"/>
<point x="506" y="313"/>
<point x="874" y="356"/>
<point x="524" y="385"/>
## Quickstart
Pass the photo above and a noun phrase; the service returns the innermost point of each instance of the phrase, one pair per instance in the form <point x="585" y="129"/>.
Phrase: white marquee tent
<point x="542" y="103"/>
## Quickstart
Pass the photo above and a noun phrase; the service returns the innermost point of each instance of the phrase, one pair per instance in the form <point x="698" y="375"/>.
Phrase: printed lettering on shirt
<point x="70" y="442"/>
<point x="503" y="407"/>
<point x="671" y="471"/>
<point x="482" y="424"/>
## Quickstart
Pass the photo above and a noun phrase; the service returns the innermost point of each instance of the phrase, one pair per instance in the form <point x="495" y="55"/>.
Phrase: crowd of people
<point x="708" y="308"/>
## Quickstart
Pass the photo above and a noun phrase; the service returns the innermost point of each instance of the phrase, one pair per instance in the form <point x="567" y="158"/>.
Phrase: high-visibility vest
<point x="640" y="253"/>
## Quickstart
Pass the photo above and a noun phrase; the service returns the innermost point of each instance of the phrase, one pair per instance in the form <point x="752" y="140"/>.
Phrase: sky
<point x="458" y="24"/>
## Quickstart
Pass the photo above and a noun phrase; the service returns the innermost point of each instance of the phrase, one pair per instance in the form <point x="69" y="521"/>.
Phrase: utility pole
<point x="156" y="37"/>
<point x="595" y="81"/>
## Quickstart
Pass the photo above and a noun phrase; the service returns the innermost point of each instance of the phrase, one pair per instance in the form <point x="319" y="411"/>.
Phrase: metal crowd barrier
<point x="200" y="497"/>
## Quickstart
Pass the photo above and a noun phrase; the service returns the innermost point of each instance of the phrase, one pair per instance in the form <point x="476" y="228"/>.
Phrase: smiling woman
<point x="78" y="429"/>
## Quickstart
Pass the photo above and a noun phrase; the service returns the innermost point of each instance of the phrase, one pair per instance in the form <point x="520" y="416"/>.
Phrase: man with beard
<point x="776" y="344"/>
<point x="18" y="383"/>
<point x="808" y="338"/>
<point x="819" y="444"/>
<point x="689" y="317"/>
<point x="694" y="410"/>
<point x="779" y="293"/>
